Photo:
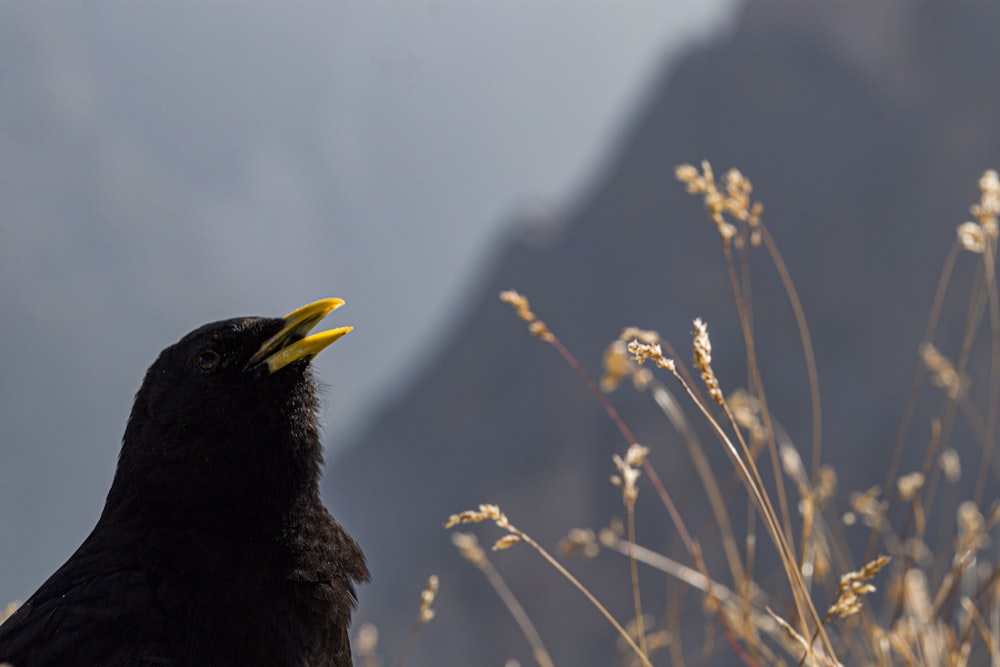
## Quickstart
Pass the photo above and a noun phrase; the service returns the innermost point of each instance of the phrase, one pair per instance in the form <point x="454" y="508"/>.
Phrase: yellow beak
<point x="291" y="343"/>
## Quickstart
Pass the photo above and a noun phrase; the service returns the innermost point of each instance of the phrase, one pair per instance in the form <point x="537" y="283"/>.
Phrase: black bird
<point x="213" y="547"/>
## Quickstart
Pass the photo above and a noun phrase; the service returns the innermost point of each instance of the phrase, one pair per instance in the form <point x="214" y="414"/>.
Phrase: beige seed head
<point x="971" y="527"/>
<point x="538" y="328"/>
<point x="426" y="614"/>
<point x="484" y="513"/>
<point x="909" y="485"/>
<point x="916" y="598"/>
<point x="468" y="547"/>
<point x="579" y="540"/>
<point x="988" y="208"/>
<point x="366" y="641"/>
<point x="854" y="586"/>
<point x="628" y="471"/>
<point x="617" y="366"/>
<point x="506" y="542"/>
<point x="869" y="506"/>
<point x="951" y="465"/>
<point x="703" y="361"/>
<point x="971" y="237"/>
<point x="826" y="485"/>
<point x="734" y="201"/>
<point x="519" y="303"/>
<point x="641" y="352"/>
<point x="943" y="371"/>
<point x="974" y="236"/>
<point x="686" y="173"/>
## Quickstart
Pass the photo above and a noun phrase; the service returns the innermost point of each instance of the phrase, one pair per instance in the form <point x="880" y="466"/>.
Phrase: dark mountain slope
<point x="864" y="129"/>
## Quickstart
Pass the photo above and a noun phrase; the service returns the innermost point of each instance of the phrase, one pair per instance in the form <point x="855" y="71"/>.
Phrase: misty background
<point x="162" y="168"/>
<point x="165" y="165"/>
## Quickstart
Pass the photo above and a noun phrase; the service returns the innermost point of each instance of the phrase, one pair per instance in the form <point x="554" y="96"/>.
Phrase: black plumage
<point x="214" y="547"/>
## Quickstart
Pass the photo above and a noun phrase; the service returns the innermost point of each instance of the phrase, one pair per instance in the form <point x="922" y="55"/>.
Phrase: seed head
<point x="703" y="361"/>
<point x="506" y="542"/>
<point x="484" y="513"/>
<point x="641" y="352"/>
<point x="520" y="304"/>
<point x="628" y="471"/>
<point x="853" y="587"/>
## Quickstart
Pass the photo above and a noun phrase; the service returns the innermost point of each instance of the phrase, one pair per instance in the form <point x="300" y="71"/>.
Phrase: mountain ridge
<point x="862" y="193"/>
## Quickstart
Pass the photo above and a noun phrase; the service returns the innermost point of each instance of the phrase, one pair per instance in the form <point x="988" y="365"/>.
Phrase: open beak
<point x="292" y="342"/>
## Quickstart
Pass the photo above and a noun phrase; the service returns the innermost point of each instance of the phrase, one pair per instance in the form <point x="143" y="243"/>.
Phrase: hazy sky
<point x="164" y="165"/>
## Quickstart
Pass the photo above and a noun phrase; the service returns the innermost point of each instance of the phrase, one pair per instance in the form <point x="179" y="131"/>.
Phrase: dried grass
<point x="923" y="603"/>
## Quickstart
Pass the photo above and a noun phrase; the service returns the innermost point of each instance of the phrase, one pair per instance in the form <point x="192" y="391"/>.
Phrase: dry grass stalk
<point x="703" y="361"/>
<point x="944" y="615"/>
<point x="951" y="465"/>
<point x="927" y="632"/>
<point x="975" y="236"/>
<point x="618" y="365"/>
<point x="909" y="485"/>
<point x="943" y="372"/>
<point x="656" y="641"/>
<point x="493" y="513"/>
<point x="505" y="542"/>
<point x="853" y="587"/>
<point x="736" y="203"/>
<point x="468" y="547"/>
<point x="747" y="622"/>
<point x="987" y="635"/>
<point x="643" y="352"/>
<point x="628" y="474"/>
<point x="745" y="465"/>
<point x="751" y="479"/>
<point x="366" y="645"/>
<point x="425" y="615"/>
<point x="520" y="304"/>
<point x="746" y="412"/>
<point x="579" y="541"/>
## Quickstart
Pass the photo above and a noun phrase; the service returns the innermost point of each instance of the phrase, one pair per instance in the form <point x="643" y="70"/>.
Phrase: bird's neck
<point x="250" y="482"/>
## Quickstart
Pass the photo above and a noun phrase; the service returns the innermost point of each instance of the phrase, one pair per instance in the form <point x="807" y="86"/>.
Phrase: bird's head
<point x="230" y="406"/>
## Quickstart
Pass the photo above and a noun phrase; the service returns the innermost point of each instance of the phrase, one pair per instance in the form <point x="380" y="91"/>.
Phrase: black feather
<point x="213" y="547"/>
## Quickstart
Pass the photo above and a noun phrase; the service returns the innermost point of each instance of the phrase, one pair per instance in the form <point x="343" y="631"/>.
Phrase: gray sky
<point x="164" y="168"/>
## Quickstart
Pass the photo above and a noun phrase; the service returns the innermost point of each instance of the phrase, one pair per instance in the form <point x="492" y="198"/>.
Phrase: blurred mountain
<point x="161" y="165"/>
<point x="864" y="128"/>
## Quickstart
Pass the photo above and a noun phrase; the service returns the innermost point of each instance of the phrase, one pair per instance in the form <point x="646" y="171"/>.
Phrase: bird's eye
<point x="207" y="361"/>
